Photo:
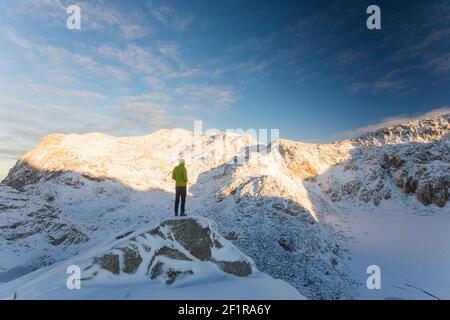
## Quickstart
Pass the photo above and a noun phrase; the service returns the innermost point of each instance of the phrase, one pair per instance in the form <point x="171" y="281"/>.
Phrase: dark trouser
<point x="180" y="193"/>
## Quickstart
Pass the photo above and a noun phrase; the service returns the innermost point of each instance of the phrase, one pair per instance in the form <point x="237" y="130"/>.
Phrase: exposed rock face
<point x="175" y="249"/>
<point x="423" y="170"/>
<point x="434" y="190"/>
<point x="232" y="236"/>
<point x="131" y="259"/>
<point x="37" y="220"/>
<point x="22" y="175"/>
<point x="194" y="237"/>
<point x="288" y="244"/>
<point x="238" y="268"/>
<point x="414" y="157"/>
<point x="109" y="262"/>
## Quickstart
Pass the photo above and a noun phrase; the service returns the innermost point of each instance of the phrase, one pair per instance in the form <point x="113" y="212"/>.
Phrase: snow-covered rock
<point x="148" y="261"/>
<point x="192" y="240"/>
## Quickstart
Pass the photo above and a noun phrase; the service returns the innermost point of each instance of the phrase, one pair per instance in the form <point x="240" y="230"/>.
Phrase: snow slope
<point x="412" y="251"/>
<point x="298" y="210"/>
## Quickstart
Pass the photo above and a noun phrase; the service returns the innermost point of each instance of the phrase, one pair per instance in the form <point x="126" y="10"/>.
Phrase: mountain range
<point x="313" y="215"/>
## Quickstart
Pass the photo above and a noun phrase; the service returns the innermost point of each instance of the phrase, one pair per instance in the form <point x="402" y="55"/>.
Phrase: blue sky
<point x="309" y="68"/>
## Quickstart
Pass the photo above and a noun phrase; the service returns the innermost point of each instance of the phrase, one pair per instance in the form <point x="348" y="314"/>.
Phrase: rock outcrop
<point x="175" y="249"/>
<point x="413" y="157"/>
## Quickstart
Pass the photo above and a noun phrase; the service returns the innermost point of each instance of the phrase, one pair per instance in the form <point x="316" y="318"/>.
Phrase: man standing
<point x="179" y="174"/>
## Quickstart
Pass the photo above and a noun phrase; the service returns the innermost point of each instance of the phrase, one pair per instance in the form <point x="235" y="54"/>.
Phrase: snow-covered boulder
<point x="175" y="249"/>
<point x="181" y="258"/>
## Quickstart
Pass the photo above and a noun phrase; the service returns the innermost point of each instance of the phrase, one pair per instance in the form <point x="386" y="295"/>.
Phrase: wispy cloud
<point x="349" y="56"/>
<point x="145" y="117"/>
<point x="134" y="32"/>
<point x="392" y="82"/>
<point x="24" y="124"/>
<point x="140" y="60"/>
<point x="164" y="61"/>
<point x="169" y="48"/>
<point x="439" y="63"/>
<point x="186" y="98"/>
<point x="172" y="18"/>
<point x="60" y="93"/>
<point x="97" y="15"/>
<point x="59" y="62"/>
<point x="208" y="97"/>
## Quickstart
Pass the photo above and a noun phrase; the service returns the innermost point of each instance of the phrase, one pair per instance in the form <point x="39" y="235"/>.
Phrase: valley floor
<point x="412" y="252"/>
